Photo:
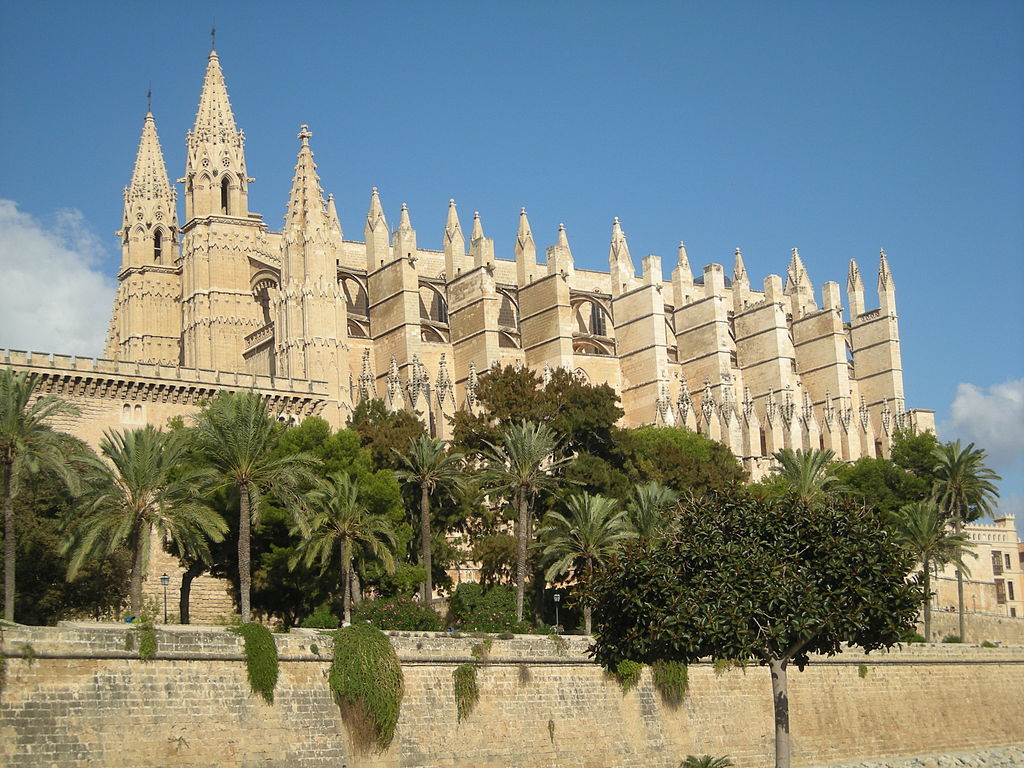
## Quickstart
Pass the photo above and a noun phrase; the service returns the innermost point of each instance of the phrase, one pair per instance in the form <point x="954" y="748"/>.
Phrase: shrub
<point x="915" y="637"/>
<point x="705" y="761"/>
<point x="321" y="618"/>
<point x="628" y="674"/>
<point x="670" y="678"/>
<point x="260" y="658"/>
<point x="478" y="608"/>
<point x="467" y="694"/>
<point x="987" y="644"/>
<point x="952" y="639"/>
<point x="397" y="613"/>
<point x="862" y="670"/>
<point x="366" y="680"/>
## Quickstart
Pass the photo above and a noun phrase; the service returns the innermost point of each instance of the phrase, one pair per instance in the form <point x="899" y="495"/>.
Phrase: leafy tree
<point x="44" y="595"/>
<point x="648" y="510"/>
<point x="341" y="520"/>
<point x="427" y="464"/>
<point x="28" y="446"/>
<point x="915" y="453"/>
<point x="965" y="489"/>
<point x="881" y="484"/>
<point x="768" y="580"/>
<point x="809" y="474"/>
<point x="383" y="432"/>
<point x="519" y="467"/>
<point x="236" y="438"/>
<point x="138" y="489"/>
<point x="676" y="458"/>
<point x="920" y="528"/>
<point x="591" y="530"/>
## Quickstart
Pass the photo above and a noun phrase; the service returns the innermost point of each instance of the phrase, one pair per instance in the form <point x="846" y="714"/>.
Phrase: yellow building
<point x="996" y="581"/>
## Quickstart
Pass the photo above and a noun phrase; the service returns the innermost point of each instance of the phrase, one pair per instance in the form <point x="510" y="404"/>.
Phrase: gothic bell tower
<point x="220" y="235"/>
<point x="146" y="322"/>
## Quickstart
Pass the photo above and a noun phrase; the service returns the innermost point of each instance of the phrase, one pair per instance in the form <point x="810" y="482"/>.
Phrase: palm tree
<point x="810" y="474"/>
<point x="236" y="437"/>
<point x="518" y="468"/>
<point x="964" y="490"/>
<point x="141" y="488"/>
<point x="341" y="520"/>
<point x="921" y="529"/>
<point x="592" y="529"/>
<point x="648" y="508"/>
<point x="28" y="445"/>
<point x="428" y="466"/>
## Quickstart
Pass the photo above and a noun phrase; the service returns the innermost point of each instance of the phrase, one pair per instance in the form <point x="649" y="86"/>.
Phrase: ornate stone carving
<point x="394" y="386"/>
<point x="367" y="388"/>
<point x="444" y="386"/>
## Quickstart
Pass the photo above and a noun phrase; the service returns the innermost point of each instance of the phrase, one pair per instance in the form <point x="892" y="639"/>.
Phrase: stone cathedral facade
<point x="317" y="320"/>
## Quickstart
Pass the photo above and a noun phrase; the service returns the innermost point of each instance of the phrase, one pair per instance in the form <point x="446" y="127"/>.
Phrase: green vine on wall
<point x="261" y="660"/>
<point x="467" y="694"/>
<point x="147" y="640"/>
<point x="628" y="674"/>
<point x="366" y="681"/>
<point x="671" y="680"/>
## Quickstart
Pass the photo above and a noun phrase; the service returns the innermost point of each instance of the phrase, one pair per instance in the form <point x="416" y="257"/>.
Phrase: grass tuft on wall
<point x="261" y="660"/>
<point x="671" y="680"/>
<point x="467" y="694"/>
<point x="366" y="680"/>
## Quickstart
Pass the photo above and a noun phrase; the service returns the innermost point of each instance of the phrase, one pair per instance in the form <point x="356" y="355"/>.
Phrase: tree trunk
<point x="138" y="569"/>
<point x="185" y="593"/>
<point x="523" y="531"/>
<point x="346" y="581"/>
<point x="780" y="695"/>
<point x="587" y="612"/>
<point x="927" y="603"/>
<point x="356" y="592"/>
<point x="10" y="551"/>
<point x="427" y="589"/>
<point x="244" y="568"/>
<point x="958" y="528"/>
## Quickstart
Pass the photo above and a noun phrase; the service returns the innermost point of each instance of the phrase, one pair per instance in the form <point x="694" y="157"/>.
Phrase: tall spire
<point x="375" y="216"/>
<point x="376" y="234"/>
<point x="525" y="251"/>
<point x="215" y="175"/>
<point x="855" y="291"/>
<point x="560" y="259"/>
<point x="886" y="286"/>
<point x="620" y="263"/>
<point x="478" y="228"/>
<point x="799" y="287"/>
<point x="404" y="222"/>
<point x="333" y="218"/>
<point x="739" y="270"/>
<point x="149" y="203"/>
<point x="480" y="248"/>
<point x="452" y="227"/>
<point x="454" y="244"/>
<point x="306" y="210"/>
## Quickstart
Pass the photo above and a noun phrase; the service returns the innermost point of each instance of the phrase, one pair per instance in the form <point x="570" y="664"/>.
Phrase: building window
<point x="1009" y="590"/>
<point x="598" y="326"/>
<point x="1000" y="592"/>
<point x="1007" y="556"/>
<point x="158" y="245"/>
<point x="997" y="563"/>
<point x="225" y="190"/>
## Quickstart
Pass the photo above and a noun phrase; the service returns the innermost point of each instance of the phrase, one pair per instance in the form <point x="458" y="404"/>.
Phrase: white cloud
<point x="993" y="419"/>
<point x="54" y="294"/>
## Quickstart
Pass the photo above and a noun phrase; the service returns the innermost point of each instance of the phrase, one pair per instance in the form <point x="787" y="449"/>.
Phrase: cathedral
<point x="316" y="321"/>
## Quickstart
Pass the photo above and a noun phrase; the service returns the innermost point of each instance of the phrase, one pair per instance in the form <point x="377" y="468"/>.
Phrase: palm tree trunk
<point x="138" y="569"/>
<point x="958" y="528"/>
<point x="244" y="567"/>
<point x="356" y="592"/>
<point x="587" y="612"/>
<point x="927" y="602"/>
<point x="427" y="590"/>
<point x="346" y="581"/>
<point x="523" y="531"/>
<point x="780" y="695"/>
<point x="185" y="593"/>
<point x="10" y="550"/>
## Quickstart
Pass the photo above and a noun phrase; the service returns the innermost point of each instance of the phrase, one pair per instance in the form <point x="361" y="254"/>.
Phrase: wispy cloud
<point x="992" y="418"/>
<point x="54" y="294"/>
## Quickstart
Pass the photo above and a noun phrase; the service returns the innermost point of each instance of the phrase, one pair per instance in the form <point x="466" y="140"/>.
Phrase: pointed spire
<point x="623" y="273"/>
<point x="853" y="281"/>
<point x="683" y="262"/>
<point x="149" y="176"/>
<point x="454" y="244"/>
<point x="796" y="275"/>
<point x="855" y="291"/>
<point x="480" y="248"/>
<point x="563" y="239"/>
<point x="525" y="251"/>
<point x="739" y="270"/>
<point x="884" y="275"/>
<point x="333" y="218"/>
<point x="375" y="216"/>
<point x="149" y="228"/>
<point x="560" y="260"/>
<point x="376" y="235"/>
<point x="214" y="118"/>
<point x="452" y="227"/>
<point x="478" y="228"/>
<point x="404" y="223"/>
<point x="306" y="207"/>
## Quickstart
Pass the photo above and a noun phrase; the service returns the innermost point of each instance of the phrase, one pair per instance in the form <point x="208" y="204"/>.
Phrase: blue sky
<point x="836" y="128"/>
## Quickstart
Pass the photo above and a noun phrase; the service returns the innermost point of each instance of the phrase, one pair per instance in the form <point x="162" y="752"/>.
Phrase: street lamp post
<point x="165" y="580"/>
<point x="558" y="599"/>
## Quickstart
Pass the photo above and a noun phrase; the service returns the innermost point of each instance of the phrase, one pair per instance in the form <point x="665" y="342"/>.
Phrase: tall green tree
<point x="921" y="529"/>
<point x="591" y="529"/>
<point x="28" y="446"/>
<point x="382" y="432"/>
<point x="965" y="490"/>
<point x="677" y="458"/>
<point x="809" y="474"/>
<point x="341" y="523"/>
<point x="519" y="467"/>
<point x="428" y="464"/>
<point x="648" y="510"/>
<point x="138" y="489"/>
<point x="757" y="579"/>
<point x="235" y="437"/>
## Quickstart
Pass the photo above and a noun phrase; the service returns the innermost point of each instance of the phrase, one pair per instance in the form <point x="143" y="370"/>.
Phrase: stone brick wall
<point x="85" y="700"/>
<point x="980" y="627"/>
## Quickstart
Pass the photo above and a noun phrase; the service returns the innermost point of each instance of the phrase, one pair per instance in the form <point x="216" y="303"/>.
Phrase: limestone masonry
<point x="316" y="322"/>
<point x="74" y="696"/>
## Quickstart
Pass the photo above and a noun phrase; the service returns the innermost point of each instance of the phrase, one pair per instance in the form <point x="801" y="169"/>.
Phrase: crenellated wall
<point x="82" y="699"/>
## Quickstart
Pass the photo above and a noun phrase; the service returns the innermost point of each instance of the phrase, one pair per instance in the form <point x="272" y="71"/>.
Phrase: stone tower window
<point x="158" y="245"/>
<point x="598" y="326"/>
<point x="225" y="190"/>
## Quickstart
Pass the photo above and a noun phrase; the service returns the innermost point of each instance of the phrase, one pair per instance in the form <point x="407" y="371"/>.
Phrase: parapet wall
<point x="75" y="697"/>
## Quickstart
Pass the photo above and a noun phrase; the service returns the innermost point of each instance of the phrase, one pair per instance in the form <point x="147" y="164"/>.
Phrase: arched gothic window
<point x="158" y="245"/>
<point x="225" y="193"/>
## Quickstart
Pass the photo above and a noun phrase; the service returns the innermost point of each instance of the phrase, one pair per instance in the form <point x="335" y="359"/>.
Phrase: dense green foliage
<point x="628" y="674"/>
<point x="677" y="458"/>
<point x="261" y="660"/>
<point x="366" y="680"/>
<point x="705" y="761"/>
<point x="467" y="694"/>
<point x="321" y="618"/>
<point x="486" y="608"/>
<point x="401" y="613"/>
<point x="671" y="680"/>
